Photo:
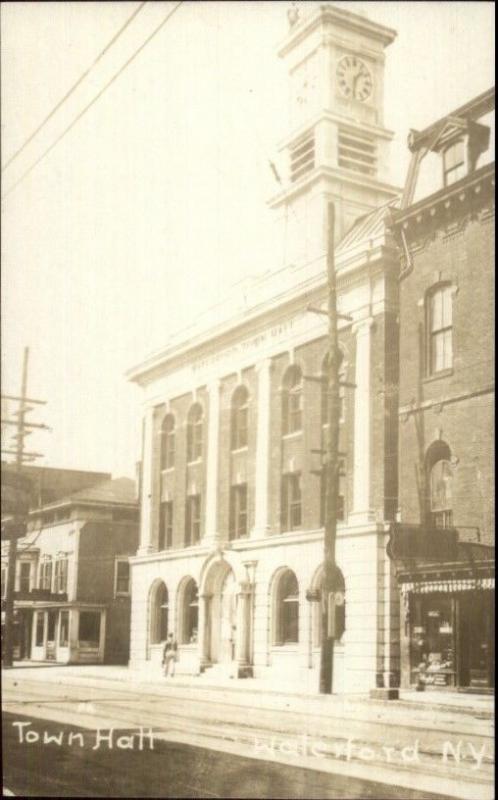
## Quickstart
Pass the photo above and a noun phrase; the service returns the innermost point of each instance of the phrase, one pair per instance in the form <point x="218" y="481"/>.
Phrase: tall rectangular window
<point x="165" y="525"/>
<point x="122" y="577"/>
<point x="238" y="511"/>
<point x="60" y="577"/>
<point x="193" y="520"/>
<point x="45" y="581"/>
<point x="454" y="163"/>
<point x="25" y="577"/>
<point x="440" y="324"/>
<point x="291" y="501"/>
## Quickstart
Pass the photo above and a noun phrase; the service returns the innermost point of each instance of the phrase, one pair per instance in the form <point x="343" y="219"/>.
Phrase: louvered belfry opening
<point x="357" y="152"/>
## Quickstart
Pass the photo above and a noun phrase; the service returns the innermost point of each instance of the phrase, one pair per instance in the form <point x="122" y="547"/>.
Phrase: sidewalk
<point x="481" y="705"/>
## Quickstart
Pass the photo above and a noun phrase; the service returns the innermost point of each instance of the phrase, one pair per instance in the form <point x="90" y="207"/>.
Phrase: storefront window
<point x="433" y="641"/>
<point x="89" y="631"/>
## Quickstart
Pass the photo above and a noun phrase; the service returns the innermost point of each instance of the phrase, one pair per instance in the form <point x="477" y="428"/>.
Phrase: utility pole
<point x="331" y="467"/>
<point x="15" y="527"/>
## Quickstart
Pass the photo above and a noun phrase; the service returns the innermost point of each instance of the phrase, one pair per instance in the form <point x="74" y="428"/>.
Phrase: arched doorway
<point x="221" y="614"/>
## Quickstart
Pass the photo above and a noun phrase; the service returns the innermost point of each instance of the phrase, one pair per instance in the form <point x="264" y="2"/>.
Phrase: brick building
<point x="445" y="540"/>
<point x="231" y="540"/>
<point x="71" y="592"/>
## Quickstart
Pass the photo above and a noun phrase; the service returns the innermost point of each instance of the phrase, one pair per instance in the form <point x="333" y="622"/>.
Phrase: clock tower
<point x="337" y="148"/>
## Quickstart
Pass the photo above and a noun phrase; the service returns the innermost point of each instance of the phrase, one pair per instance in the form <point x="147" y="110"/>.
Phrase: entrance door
<point x="27" y="624"/>
<point x="476" y="639"/>
<point x="52" y="620"/>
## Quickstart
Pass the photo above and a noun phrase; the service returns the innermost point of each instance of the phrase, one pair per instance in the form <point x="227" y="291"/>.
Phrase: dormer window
<point x="454" y="166"/>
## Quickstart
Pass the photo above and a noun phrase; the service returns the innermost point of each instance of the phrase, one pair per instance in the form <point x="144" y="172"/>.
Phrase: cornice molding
<point x="447" y="198"/>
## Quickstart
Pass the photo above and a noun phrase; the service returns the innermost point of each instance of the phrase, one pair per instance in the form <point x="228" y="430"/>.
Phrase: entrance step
<point x="215" y="672"/>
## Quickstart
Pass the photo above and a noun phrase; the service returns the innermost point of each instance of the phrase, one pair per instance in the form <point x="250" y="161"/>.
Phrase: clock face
<point x="354" y="78"/>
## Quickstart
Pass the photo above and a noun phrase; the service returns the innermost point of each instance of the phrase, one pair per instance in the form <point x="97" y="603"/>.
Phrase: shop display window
<point x="432" y="640"/>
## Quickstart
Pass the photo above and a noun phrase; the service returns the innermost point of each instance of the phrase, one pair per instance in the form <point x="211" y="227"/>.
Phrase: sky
<point x="155" y="202"/>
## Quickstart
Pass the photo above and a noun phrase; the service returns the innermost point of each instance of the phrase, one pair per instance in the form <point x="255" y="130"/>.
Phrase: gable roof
<point x="117" y="490"/>
<point x="367" y="237"/>
<point x="368" y="229"/>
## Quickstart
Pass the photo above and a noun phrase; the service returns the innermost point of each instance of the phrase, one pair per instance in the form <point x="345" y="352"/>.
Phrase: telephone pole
<point x="331" y="467"/>
<point x="17" y="504"/>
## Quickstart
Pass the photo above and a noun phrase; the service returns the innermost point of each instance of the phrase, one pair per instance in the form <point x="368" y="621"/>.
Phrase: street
<point x="72" y="733"/>
<point x="167" y="769"/>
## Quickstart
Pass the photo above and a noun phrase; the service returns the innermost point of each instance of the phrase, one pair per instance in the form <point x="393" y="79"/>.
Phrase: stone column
<point x="204" y="629"/>
<point x="242" y="646"/>
<point x="146" y="488"/>
<point x="362" y="423"/>
<point x="211" y="534"/>
<point x="262" y="463"/>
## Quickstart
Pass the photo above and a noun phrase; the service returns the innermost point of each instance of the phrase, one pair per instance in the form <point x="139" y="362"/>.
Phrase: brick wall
<point x="455" y="245"/>
<point x="100" y="544"/>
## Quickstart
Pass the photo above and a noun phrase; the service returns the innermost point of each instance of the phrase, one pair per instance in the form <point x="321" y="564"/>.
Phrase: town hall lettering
<point x="253" y="344"/>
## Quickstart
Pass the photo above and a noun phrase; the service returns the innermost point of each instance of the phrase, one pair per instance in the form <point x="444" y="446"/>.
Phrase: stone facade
<point x="253" y="609"/>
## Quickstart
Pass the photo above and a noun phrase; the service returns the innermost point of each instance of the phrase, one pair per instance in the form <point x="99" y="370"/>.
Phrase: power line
<point x="95" y="98"/>
<point x="74" y="86"/>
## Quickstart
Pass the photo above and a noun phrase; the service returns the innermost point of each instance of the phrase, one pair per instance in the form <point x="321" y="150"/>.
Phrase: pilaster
<point x="211" y="533"/>
<point x="262" y="462"/>
<point x="362" y="511"/>
<point x="146" y="499"/>
<point x="242" y="647"/>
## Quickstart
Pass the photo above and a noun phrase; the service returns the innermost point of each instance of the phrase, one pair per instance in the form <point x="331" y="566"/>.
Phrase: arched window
<point x="292" y="401"/>
<point x="439" y="344"/>
<point x="194" y="433"/>
<point x="287" y="609"/>
<point x="339" y="591"/>
<point x="159" y="614"/>
<point x="439" y="485"/>
<point x="240" y="403"/>
<point x="190" y="613"/>
<point x="168" y="442"/>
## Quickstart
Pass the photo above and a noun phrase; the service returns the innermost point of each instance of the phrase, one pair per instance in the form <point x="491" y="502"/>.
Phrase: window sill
<point x="285" y="648"/>
<point x="194" y="462"/>
<point x="237" y="450"/>
<point x="166" y="470"/>
<point x="444" y="373"/>
<point x="122" y="594"/>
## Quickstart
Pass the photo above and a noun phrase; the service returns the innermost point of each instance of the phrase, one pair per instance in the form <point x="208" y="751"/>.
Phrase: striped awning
<point x="448" y="585"/>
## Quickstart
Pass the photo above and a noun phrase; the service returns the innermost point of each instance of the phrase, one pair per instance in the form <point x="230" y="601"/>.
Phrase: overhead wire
<point x="73" y="88"/>
<point x="94" y="99"/>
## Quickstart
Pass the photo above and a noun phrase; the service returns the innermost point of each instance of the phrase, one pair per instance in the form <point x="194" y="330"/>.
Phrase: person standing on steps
<point x="170" y="656"/>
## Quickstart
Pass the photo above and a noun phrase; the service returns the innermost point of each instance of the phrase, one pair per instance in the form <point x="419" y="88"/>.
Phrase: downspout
<point x="408" y="257"/>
